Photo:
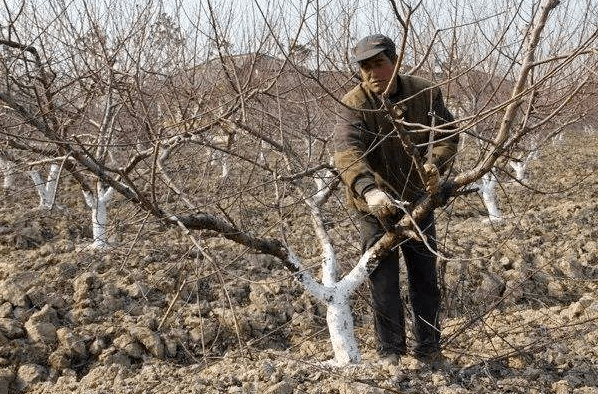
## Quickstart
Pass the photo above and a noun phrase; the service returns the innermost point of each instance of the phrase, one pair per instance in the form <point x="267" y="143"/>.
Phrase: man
<point x="377" y="172"/>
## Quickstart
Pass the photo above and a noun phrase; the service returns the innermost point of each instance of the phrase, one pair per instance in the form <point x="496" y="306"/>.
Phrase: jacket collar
<point x="399" y="92"/>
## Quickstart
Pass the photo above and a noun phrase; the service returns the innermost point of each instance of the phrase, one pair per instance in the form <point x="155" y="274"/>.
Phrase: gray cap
<point x="371" y="46"/>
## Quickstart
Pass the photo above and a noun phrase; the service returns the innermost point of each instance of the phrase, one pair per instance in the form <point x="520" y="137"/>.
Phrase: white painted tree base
<point x="8" y="172"/>
<point x="46" y="190"/>
<point x="488" y="192"/>
<point x="99" y="214"/>
<point x="520" y="165"/>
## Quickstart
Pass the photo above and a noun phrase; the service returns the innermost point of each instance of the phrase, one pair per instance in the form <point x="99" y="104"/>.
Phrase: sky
<point x="339" y="21"/>
<point x="333" y="26"/>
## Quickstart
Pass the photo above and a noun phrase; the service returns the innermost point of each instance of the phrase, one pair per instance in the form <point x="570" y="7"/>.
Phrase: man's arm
<point x="351" y="142"/>
<point x="352" y="139"/>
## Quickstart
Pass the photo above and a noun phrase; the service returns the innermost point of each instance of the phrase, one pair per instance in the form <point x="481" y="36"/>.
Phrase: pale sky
<point x="372" y="16"/>
<point x="337" y="24"/>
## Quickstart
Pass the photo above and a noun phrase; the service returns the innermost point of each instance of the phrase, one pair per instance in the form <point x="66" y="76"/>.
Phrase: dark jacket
<point x="368" y="153"/>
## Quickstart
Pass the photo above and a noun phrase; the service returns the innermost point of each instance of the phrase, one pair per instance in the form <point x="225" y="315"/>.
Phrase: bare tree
<point x="125" y="105"/>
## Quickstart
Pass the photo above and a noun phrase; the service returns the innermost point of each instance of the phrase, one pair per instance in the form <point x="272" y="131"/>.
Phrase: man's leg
<point x="384" y="287"/>
<point x="423" y="290"/>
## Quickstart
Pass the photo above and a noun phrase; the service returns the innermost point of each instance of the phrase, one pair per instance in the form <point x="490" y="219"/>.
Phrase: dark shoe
<point x="390" y="354"/>
<point x="434" y="361"/>
<point x="428" y="357"/>
<point x="389" y="358"/>
<point x="425" y="350"/>
<point x="385" y="350"/>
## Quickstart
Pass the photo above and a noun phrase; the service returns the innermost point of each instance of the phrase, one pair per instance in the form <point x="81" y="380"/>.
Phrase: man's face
<point x="377" y="71"/>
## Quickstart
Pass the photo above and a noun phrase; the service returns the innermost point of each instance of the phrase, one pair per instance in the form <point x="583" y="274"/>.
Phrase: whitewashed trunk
<point x="224" y="173"/>
<point x="262" y="157"/>
<point x="218" y="158"/>
<point x="335" y="294"/>
<point x="339" y="317"/>
<point x="489" y="182"/>
<point x="558" y="139"/>
<point x="99" y="214"/>
<point x="519" y="167"/>
<point x="338" y="311"/>
<point x="8" y="172"/>
<point x="46" y="190"/>
<point x="342" y="337"/>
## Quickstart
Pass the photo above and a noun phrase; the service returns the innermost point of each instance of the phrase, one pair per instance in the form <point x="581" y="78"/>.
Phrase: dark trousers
<point x="423" y="290"/>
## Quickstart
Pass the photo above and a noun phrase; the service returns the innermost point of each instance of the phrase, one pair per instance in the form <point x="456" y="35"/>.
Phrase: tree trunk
<point x="99" y="214"/>
<point x="46" y="190"/>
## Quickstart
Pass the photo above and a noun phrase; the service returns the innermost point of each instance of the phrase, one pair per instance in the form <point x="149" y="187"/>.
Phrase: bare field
<point x="152" y="315"/>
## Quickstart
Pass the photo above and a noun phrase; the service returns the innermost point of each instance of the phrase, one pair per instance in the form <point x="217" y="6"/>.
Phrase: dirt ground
<point x="150" y="315"/>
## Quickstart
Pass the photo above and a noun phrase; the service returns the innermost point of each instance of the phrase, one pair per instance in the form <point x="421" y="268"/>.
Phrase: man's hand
<point x="432" y="178"/>
<point x="380" y="204"/>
